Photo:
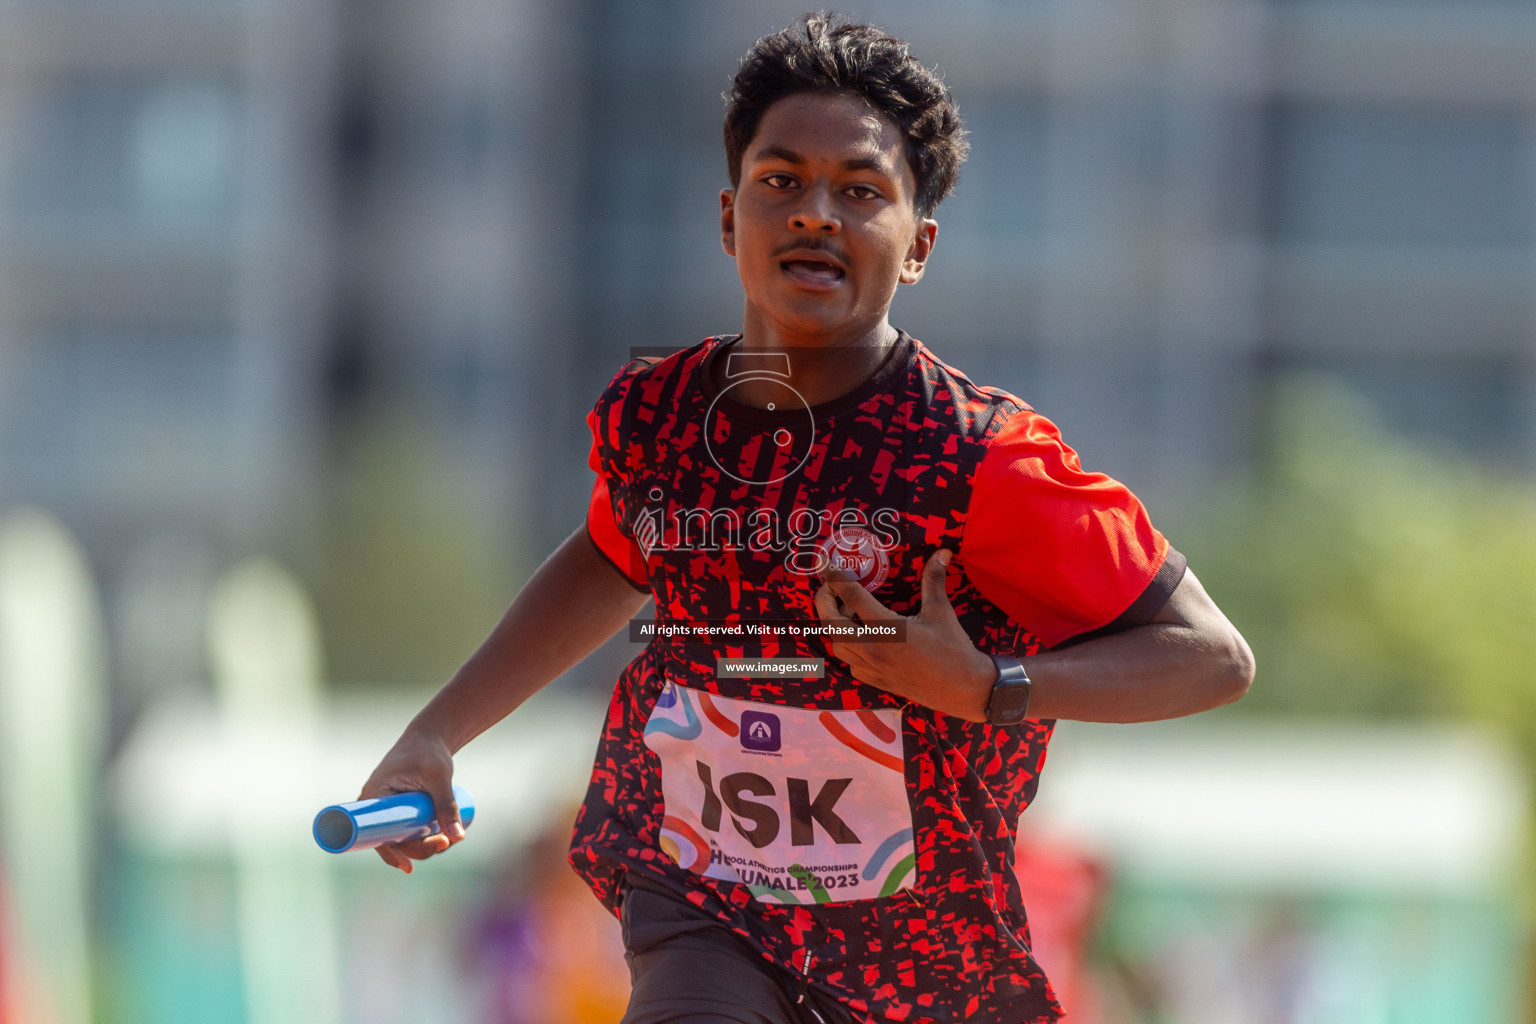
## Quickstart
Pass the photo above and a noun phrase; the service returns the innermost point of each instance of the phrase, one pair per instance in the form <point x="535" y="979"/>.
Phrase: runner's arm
<point x="573" y="603"/>
<point x="1188" y="658"/>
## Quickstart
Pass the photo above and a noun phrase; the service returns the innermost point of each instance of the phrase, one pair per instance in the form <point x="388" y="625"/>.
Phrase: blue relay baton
<point x="399" y="817"/>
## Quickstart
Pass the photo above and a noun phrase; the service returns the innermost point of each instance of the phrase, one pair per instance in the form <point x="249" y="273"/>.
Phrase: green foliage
<point x="1376" y="576"/>
<point x="413" y="576"/>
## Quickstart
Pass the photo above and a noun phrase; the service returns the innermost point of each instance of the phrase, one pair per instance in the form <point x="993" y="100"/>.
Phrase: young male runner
<point x="832" y="840"/>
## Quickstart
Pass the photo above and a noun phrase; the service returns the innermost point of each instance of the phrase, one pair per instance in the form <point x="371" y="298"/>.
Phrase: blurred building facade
<point x="1165" y="203"/>
<point x="235" y="233"/>
<point x="164" y="257"/>
<point x="227" y="226"/>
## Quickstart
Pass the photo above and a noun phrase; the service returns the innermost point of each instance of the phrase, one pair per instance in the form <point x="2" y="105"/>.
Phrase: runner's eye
<point x="864" y="192"/>
<point x="778" y="181"/>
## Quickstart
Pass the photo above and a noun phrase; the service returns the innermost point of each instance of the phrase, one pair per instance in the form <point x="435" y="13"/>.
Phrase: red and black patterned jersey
<point x="849" y="836"/>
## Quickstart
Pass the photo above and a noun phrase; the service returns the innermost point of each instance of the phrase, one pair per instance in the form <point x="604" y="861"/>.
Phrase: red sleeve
<point x="610" y="541"/>
<point x="1066" y="553"/>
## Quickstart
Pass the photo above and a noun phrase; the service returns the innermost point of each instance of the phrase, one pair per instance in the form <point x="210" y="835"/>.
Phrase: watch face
<point x="1010" y="702"/>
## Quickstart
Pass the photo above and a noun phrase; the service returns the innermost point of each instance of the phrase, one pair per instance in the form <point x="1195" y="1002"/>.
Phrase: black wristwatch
<point x="1009" y="703"/>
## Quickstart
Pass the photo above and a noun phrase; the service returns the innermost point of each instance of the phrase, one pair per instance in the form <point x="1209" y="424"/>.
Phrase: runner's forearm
<point x="1188" y="659"/>
<point x="573" y="603"/>
<point x="1146" y="674"/>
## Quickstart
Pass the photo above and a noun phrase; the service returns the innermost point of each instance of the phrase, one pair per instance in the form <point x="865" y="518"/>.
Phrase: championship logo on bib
<point x="799" y="805"/>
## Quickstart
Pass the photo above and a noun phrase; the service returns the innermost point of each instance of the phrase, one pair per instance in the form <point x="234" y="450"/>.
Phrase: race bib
<point x="799" y="805"/>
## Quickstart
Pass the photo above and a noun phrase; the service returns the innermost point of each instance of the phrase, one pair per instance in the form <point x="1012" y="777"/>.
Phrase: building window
<point x="156" y="155"/>
<point x="1001" y="196"/>
<point x="1385" y="176"/>
<point x="128" y="412"/>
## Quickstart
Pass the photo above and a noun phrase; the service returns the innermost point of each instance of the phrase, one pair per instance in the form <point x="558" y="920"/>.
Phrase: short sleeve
<point x="608" y="535"/>
<point x="1066" y="553"/>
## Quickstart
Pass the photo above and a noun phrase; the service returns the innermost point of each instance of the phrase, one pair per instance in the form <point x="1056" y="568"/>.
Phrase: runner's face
<point x="823" y="225"/>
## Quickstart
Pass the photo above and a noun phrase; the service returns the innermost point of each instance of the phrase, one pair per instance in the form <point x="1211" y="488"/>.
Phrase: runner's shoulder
<point x="653" y="365"/>
<point x="976" y="410"/>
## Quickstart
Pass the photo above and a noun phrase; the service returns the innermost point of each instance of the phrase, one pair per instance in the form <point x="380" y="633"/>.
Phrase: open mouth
<point x="812" y="273"/>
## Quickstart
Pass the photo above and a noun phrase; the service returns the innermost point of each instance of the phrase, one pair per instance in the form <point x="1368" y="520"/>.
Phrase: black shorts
<point x="687" y="968"/>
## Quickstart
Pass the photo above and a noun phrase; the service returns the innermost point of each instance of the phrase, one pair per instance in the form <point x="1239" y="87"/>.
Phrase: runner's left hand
<point x="937" y="666"/>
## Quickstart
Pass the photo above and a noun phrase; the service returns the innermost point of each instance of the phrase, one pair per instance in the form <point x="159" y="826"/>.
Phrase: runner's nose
<point x="816" y="212"/>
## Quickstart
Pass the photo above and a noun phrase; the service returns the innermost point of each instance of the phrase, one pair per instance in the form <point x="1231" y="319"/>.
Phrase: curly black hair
<point x="822" y="53"/>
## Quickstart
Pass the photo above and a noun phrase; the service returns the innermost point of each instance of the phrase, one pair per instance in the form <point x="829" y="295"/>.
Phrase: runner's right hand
<point x="418" y="762"/>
